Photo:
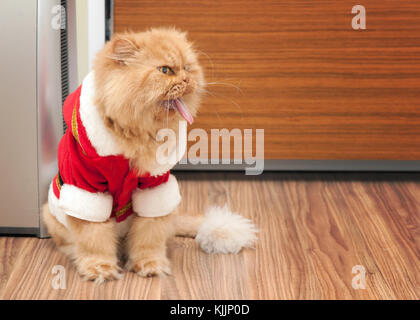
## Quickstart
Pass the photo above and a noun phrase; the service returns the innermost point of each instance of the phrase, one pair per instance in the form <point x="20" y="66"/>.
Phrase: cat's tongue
<point x="183" y="110"/>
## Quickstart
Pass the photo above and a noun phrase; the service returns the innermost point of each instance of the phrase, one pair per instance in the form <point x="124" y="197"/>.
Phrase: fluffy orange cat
<point x="111" y="197"/>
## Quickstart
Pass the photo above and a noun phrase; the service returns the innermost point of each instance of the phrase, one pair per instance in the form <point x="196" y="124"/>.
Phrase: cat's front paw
<point x="98" y="270"/>
<point x="150" y="266"/>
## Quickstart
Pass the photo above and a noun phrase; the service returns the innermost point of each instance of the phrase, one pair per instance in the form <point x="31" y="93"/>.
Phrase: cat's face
<point x="148" y="80"/>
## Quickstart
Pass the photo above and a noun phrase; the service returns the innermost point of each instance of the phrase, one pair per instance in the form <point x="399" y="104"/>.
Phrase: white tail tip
<point x="223" y="231"/>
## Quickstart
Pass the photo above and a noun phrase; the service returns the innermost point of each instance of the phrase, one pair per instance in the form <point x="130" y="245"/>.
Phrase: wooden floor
<point x="314" y="227"/>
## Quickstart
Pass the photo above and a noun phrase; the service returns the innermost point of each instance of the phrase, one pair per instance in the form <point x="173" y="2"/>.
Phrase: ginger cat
<point x="111" y="197"/>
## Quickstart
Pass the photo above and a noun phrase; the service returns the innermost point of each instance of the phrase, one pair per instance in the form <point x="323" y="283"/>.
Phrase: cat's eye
<point x="187" y="67"/>
<point x="166" y="70"/>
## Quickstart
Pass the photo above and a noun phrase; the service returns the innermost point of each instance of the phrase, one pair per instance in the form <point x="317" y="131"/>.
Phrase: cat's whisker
<point x="210" y="60"/>
<point x="226" y="84"/>
<point x="202" y="90"/>
<point x="227" y="79"/>
<point x="222" y="97"/>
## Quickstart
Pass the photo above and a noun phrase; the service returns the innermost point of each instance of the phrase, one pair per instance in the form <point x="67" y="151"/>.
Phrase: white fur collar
<point x="99" y="135"/>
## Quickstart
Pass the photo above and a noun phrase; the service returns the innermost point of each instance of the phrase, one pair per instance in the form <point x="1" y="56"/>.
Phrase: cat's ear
<point x="124" y="48"/>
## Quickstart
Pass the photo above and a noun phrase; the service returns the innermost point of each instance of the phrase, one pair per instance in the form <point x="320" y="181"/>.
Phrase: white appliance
<point x="38" y="69"/>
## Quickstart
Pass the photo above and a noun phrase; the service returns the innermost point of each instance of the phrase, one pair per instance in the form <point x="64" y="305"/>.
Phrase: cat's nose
<point x="186" y="80"/>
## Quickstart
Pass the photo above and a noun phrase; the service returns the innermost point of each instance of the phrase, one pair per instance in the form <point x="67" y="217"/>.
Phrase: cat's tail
<point x="219" y="230"/>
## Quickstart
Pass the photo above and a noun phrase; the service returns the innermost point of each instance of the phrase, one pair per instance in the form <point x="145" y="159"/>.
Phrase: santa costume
<point x="95" y="181"/>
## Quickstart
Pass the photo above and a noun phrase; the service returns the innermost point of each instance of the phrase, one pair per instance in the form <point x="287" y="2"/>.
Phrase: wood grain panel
<point x="313" y="229"/>
<point x="318" y="88"/>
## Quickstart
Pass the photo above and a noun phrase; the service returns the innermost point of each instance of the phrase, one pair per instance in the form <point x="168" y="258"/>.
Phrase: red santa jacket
<point x="95" y="181"/>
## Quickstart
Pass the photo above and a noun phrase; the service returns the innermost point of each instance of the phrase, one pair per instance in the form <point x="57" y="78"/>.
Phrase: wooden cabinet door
<point x="318" y="88"/>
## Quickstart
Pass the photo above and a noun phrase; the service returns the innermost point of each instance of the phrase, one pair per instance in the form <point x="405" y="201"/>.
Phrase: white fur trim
<point x="157" y="201"/>
<point x="99" y="135"/>
<point x="85" y="205"/>
<point x="55" y="209"/>
<point x="225" y="232"/>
